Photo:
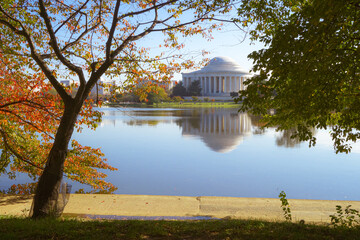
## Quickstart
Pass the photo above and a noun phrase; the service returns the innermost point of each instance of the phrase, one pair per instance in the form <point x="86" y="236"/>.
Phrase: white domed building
<point x="220" y="77"/>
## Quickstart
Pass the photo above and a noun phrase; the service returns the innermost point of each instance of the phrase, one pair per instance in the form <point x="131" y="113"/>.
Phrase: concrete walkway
<point x="217" y="207"/>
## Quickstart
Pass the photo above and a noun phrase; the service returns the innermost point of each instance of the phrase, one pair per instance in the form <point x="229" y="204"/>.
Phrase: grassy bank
<point x="17" y="228"/>
<point x="181" y="105"/>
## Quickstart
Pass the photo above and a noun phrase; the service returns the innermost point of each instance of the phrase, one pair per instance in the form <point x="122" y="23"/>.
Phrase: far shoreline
<point x="185" y="104"/>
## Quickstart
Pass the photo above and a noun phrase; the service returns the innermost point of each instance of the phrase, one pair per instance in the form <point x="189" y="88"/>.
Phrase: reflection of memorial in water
<point x="221" y="130"/>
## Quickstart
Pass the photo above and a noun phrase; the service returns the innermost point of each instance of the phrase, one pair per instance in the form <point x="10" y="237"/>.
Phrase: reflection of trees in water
<point x="258" y="131"/>
<point x="256" y="121"/>
<point x="142" y="122"/>
<point x="257" y="125"/>
<point x="156" y="113"/>
<point x="287" y="140"/>
<point x="179" y="121"/>
<point x="132" y="122"/>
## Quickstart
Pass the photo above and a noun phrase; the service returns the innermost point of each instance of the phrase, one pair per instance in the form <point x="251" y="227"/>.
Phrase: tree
<point x="177" y="99"/>
<point x="29" y="109"/>
<point x="87" y="40"/>
<point x="309" y="74"/>
<point x="194" y="88"/>
<point x="179" y="90"/>
<point x="156" y="95"/>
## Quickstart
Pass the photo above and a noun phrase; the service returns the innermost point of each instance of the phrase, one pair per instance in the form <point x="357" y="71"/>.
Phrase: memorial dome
<point x="222" y="64"/>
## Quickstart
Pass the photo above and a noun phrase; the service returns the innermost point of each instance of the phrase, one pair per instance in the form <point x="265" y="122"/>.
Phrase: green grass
<point x="183" y="105"/>
<point x="17" y="228"/>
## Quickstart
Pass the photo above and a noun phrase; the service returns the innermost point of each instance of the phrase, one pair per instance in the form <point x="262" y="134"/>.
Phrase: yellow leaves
<point x="88" y="55"/>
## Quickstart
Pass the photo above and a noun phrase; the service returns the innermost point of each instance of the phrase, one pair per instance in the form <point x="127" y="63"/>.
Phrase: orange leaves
<point x="88" y="116"/>
<point x="82" y="163"/>
<point x="29" y="115"/>
<point x="25" y="100"/>
<point x="21" y="189"/>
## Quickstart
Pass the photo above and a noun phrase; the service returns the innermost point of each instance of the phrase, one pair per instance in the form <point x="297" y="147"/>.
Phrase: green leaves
<point x="309" y="74"/>
<point x="285" y="206"/>
<point x="348" y="217"/>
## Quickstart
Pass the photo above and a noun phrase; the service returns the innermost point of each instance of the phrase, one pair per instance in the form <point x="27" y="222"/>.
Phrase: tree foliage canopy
<point x="85" y="40"/>
<point x="309" y="72"/>
<point x="29" y="116"/>
<point x="156" y="95"/>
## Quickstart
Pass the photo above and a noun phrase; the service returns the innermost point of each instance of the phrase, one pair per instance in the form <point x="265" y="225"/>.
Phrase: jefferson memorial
<point x="220" y="77"/>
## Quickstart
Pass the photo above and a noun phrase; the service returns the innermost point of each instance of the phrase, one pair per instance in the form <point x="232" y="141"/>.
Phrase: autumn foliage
<point x="85" y="41"/>
<point x="29" y="116"/>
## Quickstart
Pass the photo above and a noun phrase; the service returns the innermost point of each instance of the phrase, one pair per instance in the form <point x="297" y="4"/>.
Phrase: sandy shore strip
<point x="152" y="206"/>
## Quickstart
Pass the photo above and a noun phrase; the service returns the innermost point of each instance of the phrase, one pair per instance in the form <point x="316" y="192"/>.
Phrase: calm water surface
<point x="217" y="152"/>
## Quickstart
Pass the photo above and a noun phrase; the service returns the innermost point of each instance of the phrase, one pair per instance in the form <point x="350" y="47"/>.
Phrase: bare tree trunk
<point x="47" y="191"/>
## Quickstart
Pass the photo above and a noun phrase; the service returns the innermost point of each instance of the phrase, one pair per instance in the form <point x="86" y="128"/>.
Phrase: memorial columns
<point x="202" y="83"/>
<point x="206" y="85"/>
<point x="237" y="79"/>
<point x="203" y="86"/>
<point x="220" y="84"/>
<point x="227" y="84"/>
<point x="213" y="84"/>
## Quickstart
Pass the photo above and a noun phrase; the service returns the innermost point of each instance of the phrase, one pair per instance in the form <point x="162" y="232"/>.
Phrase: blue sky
<point x="230" y="42"/>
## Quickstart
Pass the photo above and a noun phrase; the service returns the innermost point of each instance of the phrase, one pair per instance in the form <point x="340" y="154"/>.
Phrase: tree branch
<point x="26" y="122"/>
<point x="39" y="60"/>
<point x="7" y="146"/>
<point x="147" y="10"/>
<point x="71" y="16"/>
<point x="112" y="30"/>
<point x="53" y="43"/>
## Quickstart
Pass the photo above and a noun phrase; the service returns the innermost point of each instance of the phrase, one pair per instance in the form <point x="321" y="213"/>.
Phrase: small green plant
<point x="345" y="218"/>
<point x="285" y="206"/>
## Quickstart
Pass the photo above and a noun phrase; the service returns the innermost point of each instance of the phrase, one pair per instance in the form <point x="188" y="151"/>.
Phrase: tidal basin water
<point x="217" y="152"/>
